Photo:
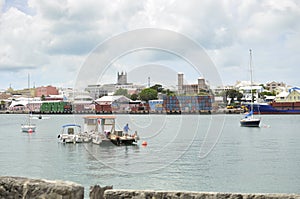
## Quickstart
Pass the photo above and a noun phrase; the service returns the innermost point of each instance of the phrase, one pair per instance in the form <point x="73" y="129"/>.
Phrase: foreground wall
<point x="18" y="187"/>
<point x="122" y="194"/>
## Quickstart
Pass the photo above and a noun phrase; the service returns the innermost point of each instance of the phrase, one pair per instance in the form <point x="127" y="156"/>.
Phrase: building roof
<point x="112" y="98"/>
<point x="283" y="94"/>
<point x="294" y="89"/>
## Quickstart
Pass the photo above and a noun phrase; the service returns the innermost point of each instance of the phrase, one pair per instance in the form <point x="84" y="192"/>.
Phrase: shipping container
<point x="187" y="104"/>
<point x="55" y="107"/>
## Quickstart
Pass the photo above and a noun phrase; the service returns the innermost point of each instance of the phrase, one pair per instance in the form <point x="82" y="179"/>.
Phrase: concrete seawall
<point x="124" y="194"/>
<point x="19" y="187"/>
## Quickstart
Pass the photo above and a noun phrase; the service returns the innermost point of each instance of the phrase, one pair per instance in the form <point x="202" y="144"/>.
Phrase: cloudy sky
<point x="51" y="40"/>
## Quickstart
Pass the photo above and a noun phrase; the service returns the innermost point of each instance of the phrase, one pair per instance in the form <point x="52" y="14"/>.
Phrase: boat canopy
<point x="68" y="125"/>
<point x="100" y="117"/>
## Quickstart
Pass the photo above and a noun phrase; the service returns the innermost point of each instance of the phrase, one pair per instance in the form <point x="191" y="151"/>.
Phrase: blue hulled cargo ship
<point x="276" y="108"/>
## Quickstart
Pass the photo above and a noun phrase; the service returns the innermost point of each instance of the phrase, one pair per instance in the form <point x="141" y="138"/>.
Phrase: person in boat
<point x="107" y="134"/>
<point x="126" y="129"/>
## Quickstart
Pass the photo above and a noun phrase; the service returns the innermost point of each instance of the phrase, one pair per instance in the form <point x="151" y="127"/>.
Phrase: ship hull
<point x="276" y="108"/>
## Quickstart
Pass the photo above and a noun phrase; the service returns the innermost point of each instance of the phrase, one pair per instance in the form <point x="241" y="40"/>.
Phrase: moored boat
<point x="103" y="132"/>
<point x="71" y="133"/>
<point x="249" y="120"/>
<point x="28" y="128"/>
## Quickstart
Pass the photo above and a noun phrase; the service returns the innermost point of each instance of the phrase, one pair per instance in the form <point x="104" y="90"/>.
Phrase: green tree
<point x="134" y="97"/>
<point x="168" y="92"/>
<point x="121" y="91"/>
<point x="148" y="94"/>
<point x="233" y="94"/>
<point x="2" y="105"/>
<point x="43" y="97"/>
<point x="157" y="87"/>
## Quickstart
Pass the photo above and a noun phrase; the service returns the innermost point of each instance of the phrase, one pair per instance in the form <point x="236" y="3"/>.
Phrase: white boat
<point x="40" y="117"/>
<point x="249" y="120"/>
<point x="71" y="133"/>
<point x="29" y="127"/>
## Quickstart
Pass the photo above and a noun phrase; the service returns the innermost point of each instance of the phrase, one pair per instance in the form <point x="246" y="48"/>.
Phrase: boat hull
<point x="28" y="128"/>
<point x="123" y="142"/>
<point x="250" y="122"/>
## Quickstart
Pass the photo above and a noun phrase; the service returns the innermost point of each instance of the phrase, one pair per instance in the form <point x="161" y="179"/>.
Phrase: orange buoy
<point x="144" y="143"/>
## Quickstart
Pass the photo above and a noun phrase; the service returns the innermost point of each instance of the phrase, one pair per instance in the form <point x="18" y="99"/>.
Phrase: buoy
<point x="30" y="130"/>
<point x="144" y="143"/>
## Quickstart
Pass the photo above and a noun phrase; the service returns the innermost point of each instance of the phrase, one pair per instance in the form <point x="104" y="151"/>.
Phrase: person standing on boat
<point x="126" y="129"/>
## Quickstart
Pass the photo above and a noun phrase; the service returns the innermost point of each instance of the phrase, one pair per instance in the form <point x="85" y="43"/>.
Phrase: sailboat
<point x="29" y="127"/>
<point x="249" y="120"/>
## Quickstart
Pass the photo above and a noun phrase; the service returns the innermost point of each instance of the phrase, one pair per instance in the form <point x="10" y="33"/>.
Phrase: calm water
<point x="178" y="155"/>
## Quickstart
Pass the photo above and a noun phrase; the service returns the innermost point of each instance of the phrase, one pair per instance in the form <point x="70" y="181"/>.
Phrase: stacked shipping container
<point x="187" y="104"/>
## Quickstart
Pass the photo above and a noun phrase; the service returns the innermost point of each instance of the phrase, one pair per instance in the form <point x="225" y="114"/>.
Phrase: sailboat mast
<point x="251" y="79"/>
<point x="29" y="94"/>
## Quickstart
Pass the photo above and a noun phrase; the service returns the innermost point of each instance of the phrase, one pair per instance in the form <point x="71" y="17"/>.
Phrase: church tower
<point x="122" y="78"/>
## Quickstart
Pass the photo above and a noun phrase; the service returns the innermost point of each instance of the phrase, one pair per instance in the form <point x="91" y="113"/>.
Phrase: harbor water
<point x="184" y="152"/>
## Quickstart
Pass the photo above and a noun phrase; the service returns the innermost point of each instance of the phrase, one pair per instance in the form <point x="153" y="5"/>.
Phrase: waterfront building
<point x="98" y="90"/>
<point x="110" y="104"/>
<point x="191" y="89"/>
<point x="293" y="95"/>
<point x="83" y="104"/>
<point x="247" y="94"/>
<point x="221" y="89"/>
<point x="271" y="86"/>
<point x="4" y="100"/>
<point x="46" y="91"/>
<point x="23" y="92"/>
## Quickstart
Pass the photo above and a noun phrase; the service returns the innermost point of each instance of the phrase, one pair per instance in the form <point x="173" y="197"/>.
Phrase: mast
<point x="29" y="94"/>
<point x="251" y="79"/>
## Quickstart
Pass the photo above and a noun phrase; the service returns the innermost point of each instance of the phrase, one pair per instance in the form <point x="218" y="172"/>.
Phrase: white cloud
<point x="41" y="36"/>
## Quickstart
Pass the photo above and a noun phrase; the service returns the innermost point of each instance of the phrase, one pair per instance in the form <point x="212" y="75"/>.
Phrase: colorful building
<point x="46" y="91"/>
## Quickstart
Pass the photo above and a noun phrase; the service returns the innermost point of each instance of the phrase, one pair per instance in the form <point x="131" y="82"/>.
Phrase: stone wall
<point x="25" y="188"/>
<point x="97" y="192"/>
<point x="133" y="194"/>
<point x="18" y="187"/>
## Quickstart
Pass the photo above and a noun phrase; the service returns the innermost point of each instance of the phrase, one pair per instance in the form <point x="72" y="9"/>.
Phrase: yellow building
<point x="293" y="96"/>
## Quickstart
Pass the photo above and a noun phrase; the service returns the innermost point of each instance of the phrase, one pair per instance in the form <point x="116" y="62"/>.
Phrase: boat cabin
<point x="99" y="123"/>
<point x="103" y="128"/>
<point x="71" y="129"/>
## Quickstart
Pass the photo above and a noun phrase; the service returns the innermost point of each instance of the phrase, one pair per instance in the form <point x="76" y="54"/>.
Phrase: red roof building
<point x="46" y="91"/>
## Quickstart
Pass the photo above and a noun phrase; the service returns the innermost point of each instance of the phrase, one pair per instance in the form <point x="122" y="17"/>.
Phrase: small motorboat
<point x="71" y="133"/>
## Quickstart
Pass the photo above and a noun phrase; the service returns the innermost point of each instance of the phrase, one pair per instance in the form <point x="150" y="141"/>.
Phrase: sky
<point x="53" y="40"/>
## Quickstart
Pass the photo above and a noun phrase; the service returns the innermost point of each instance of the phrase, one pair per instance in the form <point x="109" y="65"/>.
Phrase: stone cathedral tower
<point x="122" y="78"/>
